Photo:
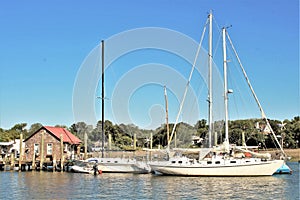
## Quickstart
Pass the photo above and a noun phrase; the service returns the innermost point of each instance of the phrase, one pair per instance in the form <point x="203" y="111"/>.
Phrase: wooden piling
<point x="151" y="143"/>
<point x="12" y="160"/>
<point x="151" y="140"/>
<point x="54" y="163"/>
<point x="33" y="161"/>
<point x="42" y="150"/>
<point x="134" y="141"/>
<point x="61" y="153"/>
<point x="85" y="146"/>
<point x="109" y="144"/>
<point x="175" y="140"/>
<point x="21" y="151"/>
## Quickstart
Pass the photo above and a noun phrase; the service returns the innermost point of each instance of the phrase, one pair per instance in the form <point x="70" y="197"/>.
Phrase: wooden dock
<point x="30" y="166"/>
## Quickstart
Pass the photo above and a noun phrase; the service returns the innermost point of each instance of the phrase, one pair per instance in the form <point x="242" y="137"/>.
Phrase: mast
<point x="225" y="86"/>
<point x="167" y="116"/>
<point x="210" y="117"/>
<point x="102" y="98"/>
<point x="255" y="97"/>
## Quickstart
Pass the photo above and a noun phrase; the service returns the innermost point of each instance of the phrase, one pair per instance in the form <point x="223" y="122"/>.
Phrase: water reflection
<point x="48" y="185"/>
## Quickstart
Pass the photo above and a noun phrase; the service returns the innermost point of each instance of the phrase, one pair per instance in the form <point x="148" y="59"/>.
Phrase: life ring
<point x="100" y="171"/>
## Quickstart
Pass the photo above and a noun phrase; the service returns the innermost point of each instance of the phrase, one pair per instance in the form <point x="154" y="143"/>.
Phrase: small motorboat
<point x="83" y="167"/>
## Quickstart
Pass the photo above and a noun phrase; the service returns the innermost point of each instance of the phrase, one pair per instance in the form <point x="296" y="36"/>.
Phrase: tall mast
<point x="167" y="116"/>
<point x="102" y="98"/>
<point x="225" y="85"/>
<point x="210" y="117"/>
<point x="255" y="97"/>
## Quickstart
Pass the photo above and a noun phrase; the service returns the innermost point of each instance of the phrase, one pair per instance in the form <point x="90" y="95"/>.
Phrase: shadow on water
<point x="48" y="185"/>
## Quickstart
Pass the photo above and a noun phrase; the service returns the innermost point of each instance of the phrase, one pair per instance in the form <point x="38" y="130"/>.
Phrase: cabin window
<point x="217" y="162"/>
<point x="180" y="162"/>
<point x="49" y="149"/>
<point x="116" y="161"/>
<point x="233" y="161"/>
<point x="209" y="162"/>
<point x="36" y="148"/>
<point x="173" y="161"/>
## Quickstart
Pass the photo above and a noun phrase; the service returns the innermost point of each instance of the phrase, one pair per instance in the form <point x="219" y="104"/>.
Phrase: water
<point x="56" y="185"/>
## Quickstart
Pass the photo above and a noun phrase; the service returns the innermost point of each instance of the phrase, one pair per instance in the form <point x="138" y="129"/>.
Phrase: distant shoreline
<point x="293" y="153"/>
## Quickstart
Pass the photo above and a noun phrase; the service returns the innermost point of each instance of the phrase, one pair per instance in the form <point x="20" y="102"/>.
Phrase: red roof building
<point x="51" y="144"/>
<point x="68" y="137"/>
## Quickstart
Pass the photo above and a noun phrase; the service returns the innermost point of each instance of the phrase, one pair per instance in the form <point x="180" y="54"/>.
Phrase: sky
<point x="46" y="46"/>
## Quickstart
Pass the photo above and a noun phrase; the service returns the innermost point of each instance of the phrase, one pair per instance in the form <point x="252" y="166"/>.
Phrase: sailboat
<point x="110" y="164"/>
<point x="224" y="159"/>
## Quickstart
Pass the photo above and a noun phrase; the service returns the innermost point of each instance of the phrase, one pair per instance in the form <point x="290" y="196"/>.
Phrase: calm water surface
<point x="48" y="185"/>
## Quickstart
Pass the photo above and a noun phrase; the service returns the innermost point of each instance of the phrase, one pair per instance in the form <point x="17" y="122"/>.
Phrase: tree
<point x="80" y="128"/>
<point x="16" y="130"/>
<point x="295" y="129"/>
<point x="34" y="127"/>
<point x="61" y="126"/>
<point x="202" y="128"/>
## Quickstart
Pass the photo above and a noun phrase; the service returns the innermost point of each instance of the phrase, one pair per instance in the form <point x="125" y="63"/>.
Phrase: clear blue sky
<point x="43" y="44"/>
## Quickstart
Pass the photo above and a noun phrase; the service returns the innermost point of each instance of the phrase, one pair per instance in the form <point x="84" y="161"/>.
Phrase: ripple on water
<point x="48" y="185"/>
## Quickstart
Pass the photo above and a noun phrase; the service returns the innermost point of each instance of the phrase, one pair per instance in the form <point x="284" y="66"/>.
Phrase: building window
<point x="49" y="149"/>
<point x="36" y="148"/>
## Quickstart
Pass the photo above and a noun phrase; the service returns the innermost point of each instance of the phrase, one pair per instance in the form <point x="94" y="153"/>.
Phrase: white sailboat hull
<point x="122" y="165"/>
<point x="263" y="168"/>
<point x="121" y="168"/>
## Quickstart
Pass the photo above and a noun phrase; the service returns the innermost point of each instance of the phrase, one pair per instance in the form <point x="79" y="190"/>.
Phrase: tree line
<point x="254" y="130"/>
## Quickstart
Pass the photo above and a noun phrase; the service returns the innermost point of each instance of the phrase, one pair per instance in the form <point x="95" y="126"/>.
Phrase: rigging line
<point x="114" y="77"/>
<point x="236" y="85"/>
<point x="220" y="35"/>
<point x="198" y="92"/>
<point x="187" y="85"/>
<point x="234" y="97"/>
<point x="254" y="95"/>
<point x="95" y="68"/>
<point x="239" y="90"/>
<point x="217" y="25"/>
<point x="217" y="46"/>
<point x="247" y="79"/>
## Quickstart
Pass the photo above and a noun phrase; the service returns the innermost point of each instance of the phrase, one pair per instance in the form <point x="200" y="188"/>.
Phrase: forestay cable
<point x="254" y="95"/>
<point x="187" y="85"/>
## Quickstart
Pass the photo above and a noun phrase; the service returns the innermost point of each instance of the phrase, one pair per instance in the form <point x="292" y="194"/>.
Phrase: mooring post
<point x="33" y="161"/>
<point x="12" y="161"/>
<point x="85" y="146"/>
<point x="42" y="150"/>
<point x="54" y="163"/>
<point x="21" y="151"/>
<point x="151" y="144"/>
<point x="109" y="144"/>
<point x="61" y="153"/>
<point x="134" y="141"/>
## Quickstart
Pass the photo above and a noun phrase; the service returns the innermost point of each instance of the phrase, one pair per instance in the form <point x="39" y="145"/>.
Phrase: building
<point x="264" y="129"/>
<point x="51" y="144"/>
<point x="8" y="148"/>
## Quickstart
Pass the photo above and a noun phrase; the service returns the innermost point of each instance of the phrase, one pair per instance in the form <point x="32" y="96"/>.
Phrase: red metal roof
<point x="67" y="135"/>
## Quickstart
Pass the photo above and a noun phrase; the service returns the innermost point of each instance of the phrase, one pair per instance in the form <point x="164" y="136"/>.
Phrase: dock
<point x="30" y="166"/>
